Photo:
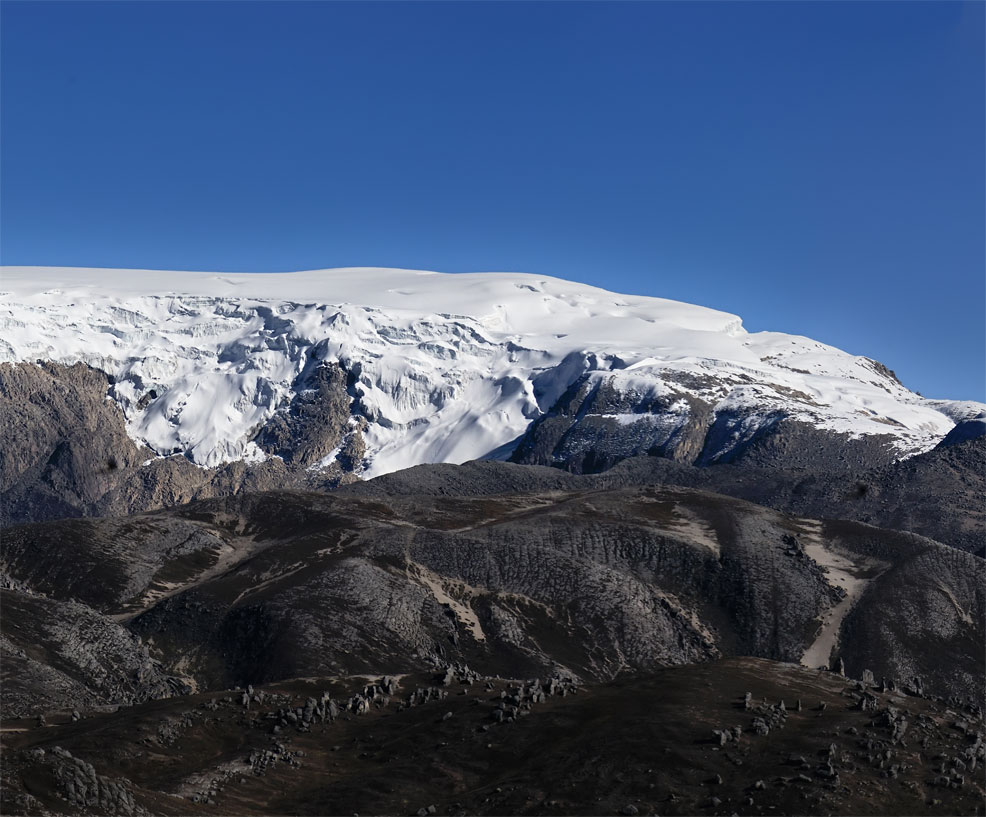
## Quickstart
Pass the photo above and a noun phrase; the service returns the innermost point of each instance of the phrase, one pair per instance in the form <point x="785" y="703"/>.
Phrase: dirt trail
<point x="851" y="576"/>
<point x="440" y="588"/>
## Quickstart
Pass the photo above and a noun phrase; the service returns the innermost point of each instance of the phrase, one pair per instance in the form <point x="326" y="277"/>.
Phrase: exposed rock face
<point x="66" y="451"/>
<point x="965" y="430"/>
<point x="930" y="599"/>
<point x="64" y="442"/>
<point x="594" y="425"/>
<point x="107" y="563"/>
<point x="791" y="444"/>
<point x="316" y="423"/>
<point x="85" y="790"/>
<point x="64" y="655"/>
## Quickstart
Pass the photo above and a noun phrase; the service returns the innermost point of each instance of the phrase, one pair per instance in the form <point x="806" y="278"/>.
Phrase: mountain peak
<point x="438" y="367"/>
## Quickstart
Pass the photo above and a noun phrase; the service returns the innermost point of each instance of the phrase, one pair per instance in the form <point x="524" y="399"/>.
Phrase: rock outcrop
<point x="66" y="451"/>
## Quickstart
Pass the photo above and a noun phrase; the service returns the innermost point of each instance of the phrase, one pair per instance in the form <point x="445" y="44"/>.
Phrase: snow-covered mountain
<point x="440" y="368"/>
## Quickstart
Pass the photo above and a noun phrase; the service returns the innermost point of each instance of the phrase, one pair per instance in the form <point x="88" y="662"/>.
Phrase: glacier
<point x="443" y="367"/>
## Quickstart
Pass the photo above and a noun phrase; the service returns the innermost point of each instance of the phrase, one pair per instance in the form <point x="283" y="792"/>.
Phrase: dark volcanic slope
<point x="469" y="575"/>
<point x="678" y="742"/>
<point x="266" y="587"/>
<point x="938" y="494"/>
<point x="62" y="653"/>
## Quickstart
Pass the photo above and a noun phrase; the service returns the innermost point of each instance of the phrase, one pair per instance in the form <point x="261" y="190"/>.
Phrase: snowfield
<point x="446" y="368"/>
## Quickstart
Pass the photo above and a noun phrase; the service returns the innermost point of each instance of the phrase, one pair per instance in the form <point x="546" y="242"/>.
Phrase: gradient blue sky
<point x="814" y="168"/>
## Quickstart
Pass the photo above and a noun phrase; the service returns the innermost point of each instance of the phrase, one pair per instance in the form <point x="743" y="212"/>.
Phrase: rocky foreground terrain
<point x="737" y="736"/>
<point x="372" y="650"/>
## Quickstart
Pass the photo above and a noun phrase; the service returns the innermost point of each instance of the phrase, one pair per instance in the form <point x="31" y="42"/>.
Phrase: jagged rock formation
<point x="595" y="425"/>
<point x="317" y="429"/>
<point x="82" y="789"/>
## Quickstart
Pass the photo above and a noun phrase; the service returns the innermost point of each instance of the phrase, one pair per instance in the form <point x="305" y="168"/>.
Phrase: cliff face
<point x="66" y="450"/>
<point x="595" y="425"/>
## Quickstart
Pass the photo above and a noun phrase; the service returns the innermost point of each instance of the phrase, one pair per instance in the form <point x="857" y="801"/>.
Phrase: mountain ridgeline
<point x="336" y="373"/>
<point x="382" y="541"/>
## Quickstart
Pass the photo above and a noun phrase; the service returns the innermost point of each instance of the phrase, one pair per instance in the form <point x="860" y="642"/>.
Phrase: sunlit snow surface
<point x="451" y="367"/>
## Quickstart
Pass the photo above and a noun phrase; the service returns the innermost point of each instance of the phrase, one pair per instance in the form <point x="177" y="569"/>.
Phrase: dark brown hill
<point x="266" y="587"/>
<point x="681" y="741"/>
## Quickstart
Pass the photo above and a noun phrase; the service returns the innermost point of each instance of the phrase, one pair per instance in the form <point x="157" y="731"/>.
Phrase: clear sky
<point x="814" y="168"/>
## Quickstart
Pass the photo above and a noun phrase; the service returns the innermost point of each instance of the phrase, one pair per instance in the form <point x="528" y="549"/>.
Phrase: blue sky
<point x="816" y="168"/>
